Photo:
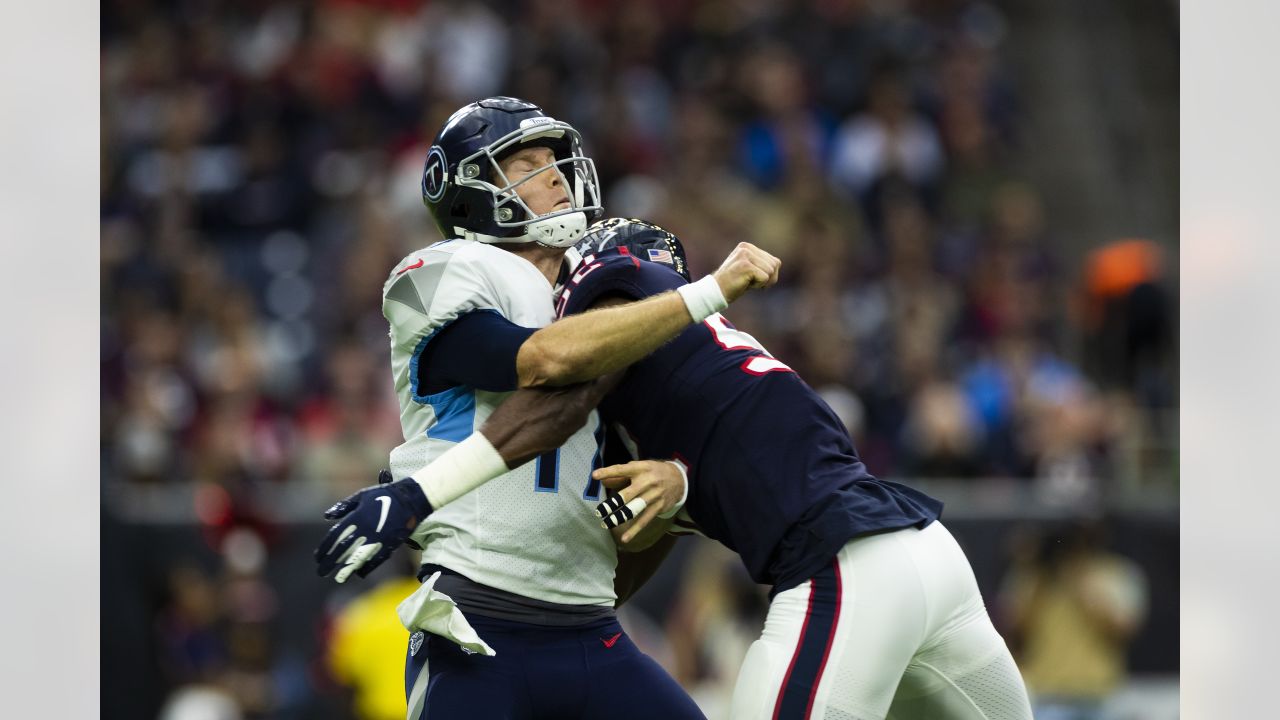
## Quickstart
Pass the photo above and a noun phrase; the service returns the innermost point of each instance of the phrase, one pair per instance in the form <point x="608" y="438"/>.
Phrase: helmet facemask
<point x="577" y="173"/>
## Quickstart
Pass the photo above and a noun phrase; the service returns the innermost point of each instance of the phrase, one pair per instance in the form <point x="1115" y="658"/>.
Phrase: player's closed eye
<point x="519" y="170"/>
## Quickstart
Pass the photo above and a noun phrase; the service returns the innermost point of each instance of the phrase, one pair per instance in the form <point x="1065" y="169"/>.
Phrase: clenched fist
<point x="747" y="268"/>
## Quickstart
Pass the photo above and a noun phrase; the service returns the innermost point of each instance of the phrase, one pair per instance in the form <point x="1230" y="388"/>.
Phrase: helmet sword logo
<point x="433" y="176"/>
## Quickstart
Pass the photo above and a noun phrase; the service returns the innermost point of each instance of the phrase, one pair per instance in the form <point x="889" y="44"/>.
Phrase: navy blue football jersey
<point x="773" y="474"/>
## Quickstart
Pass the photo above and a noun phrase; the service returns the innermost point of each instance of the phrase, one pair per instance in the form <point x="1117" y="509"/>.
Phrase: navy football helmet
<point x="470" y="197"/>
<point x="642" y="239"/>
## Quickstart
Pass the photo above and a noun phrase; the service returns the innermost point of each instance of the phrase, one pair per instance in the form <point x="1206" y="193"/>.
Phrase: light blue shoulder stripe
<point x="455" y="414"/>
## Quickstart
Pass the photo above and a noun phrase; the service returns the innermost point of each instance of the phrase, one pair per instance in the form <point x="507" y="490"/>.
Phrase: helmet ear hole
<point x="460" y="210"/>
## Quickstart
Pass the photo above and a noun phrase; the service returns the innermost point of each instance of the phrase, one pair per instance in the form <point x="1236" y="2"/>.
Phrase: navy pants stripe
<point x="800" y="684"/>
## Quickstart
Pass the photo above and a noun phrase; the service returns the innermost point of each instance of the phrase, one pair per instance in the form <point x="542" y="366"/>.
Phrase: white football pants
<point x="894" y="628"/>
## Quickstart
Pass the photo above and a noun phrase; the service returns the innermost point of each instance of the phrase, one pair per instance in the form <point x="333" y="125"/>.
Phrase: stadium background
<point x="976" y="204"/>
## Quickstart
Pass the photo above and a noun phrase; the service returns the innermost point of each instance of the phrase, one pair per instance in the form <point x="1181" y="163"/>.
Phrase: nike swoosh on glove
<point x="372" y="523"/>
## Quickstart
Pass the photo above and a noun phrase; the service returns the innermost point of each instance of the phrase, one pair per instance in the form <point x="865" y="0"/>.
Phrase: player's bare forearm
<point x="536" y="420"/>
<point x="600" y="341"/>
<point x="525" y="425"/>
<point x="582" y="347"/>
<point x="635" y="568"/>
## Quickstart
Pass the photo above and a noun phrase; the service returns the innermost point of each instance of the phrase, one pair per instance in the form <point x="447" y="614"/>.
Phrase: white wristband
<point x="703" y="298"/>
<point x="461" y="469"/>
<point x="684" y="474"/>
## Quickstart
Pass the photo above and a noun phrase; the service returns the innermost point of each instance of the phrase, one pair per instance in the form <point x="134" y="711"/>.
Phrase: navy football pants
<point x="543" y="673"/>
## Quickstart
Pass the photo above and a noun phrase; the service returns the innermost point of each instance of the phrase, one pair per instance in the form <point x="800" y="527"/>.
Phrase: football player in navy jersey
<point x="874" y="609"/>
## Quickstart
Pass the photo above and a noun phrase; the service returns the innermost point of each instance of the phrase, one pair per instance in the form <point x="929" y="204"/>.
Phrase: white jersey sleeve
<point x="435" y="286"/>
<point x="532" y="531"/>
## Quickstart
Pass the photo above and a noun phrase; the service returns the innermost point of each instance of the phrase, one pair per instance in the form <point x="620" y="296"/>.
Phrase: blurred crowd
<point x="260" y="177"/>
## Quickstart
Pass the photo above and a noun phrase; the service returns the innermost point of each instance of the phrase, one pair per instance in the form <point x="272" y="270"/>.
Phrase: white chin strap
<point x="559" y="231"/>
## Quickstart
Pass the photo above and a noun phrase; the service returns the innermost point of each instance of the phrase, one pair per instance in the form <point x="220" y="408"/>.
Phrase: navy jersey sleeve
<point x="478" y="349"/>
<point x="615" y="273"/>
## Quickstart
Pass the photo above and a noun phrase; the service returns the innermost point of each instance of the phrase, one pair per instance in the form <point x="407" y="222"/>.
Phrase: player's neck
<point x="547" y="260"/>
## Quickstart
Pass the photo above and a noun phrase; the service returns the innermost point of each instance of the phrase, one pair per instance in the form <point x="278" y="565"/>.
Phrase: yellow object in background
<point x="368" y="649"/>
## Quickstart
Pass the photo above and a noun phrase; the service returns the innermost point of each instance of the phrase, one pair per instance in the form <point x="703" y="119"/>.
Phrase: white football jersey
<point x="534" y="530"/>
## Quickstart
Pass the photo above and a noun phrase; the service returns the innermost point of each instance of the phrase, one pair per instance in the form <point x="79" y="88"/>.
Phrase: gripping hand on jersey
<point x="644" y="489"/>
<point x="372" y="523"/>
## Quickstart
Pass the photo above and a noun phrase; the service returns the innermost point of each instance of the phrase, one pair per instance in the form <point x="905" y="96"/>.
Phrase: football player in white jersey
<point x="517" y="598"/>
